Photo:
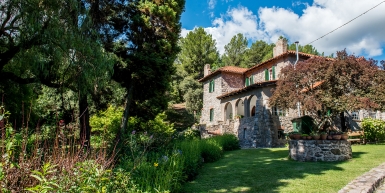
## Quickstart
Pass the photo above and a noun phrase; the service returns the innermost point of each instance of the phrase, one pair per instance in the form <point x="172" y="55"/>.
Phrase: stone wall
<point x="231" y="82"/>
<point x="320" y="150"/>
<point x="210" y="101"/>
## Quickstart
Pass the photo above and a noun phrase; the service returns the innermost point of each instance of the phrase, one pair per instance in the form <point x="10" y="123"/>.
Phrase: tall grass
<point x="50" y="159"/>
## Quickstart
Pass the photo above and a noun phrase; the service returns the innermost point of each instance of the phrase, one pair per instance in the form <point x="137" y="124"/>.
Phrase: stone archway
<point x="252" y="103"/>
<point x="240" y="108"/>
<point x="228" y="111"/>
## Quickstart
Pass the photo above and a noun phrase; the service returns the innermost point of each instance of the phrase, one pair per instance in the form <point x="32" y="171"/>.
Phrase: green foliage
<point x="374" y="129"/>
<point x="197" y="49"/>
<point x="235" y="51"/>
<point x="191" y="152"/>
<point x="309" y="49"/>
<point x="46" y="183"/>
<point x="160" y="130"/>
<point x="160" y="173"/>
<point x="211" y="150"/>
<point x="228" y="142"/>
<point x="90" y="177"/>
<point x="259" y="51"/>
<point x="190" y="134"/>
<point x="193" y="94"/>
<point x="105" y="125"/>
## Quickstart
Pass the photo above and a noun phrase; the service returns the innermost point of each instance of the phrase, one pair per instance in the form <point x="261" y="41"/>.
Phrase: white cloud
<point x="212" y="4"/>
<point x="363" y="36"/>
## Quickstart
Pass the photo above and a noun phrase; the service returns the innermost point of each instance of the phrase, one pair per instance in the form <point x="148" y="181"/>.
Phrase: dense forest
<point x="87" y="88"/>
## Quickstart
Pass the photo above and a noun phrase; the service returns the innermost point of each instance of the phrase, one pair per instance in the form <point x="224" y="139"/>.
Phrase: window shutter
<point x="247" y="81"/>
<point x="295" y="126"/>
<point x="211" y="114"/>
<point x="266" y="74"/>
<point x="251" y="80"/>
<point x="211" y="86"/>
<point x="273" y="72"/>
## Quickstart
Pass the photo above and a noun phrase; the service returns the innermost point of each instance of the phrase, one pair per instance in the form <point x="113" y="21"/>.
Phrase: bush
<point x="228" y="142"/>
<point x="211" y="150"/>
<point x="374" y="129"/>
<point x="105" y="125"/>
<point x="190" y="150"/>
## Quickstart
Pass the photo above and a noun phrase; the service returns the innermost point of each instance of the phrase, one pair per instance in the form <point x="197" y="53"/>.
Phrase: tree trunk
<point x="127" y="109"/>
<point x="85" y="129"/>
<point x="343" y="122"/>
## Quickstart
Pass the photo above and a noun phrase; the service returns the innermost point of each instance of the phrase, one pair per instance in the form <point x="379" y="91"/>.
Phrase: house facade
<point x="235" y="100"/>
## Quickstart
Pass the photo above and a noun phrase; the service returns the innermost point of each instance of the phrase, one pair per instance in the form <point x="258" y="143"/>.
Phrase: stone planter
<point x="316" y="137"/>
<point x="320" y="150"/>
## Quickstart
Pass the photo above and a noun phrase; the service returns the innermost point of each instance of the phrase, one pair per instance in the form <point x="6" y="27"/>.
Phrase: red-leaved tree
<point x="327" y="87"/>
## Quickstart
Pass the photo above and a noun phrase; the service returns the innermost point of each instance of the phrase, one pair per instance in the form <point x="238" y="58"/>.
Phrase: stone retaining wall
<point x="320" y="150"/>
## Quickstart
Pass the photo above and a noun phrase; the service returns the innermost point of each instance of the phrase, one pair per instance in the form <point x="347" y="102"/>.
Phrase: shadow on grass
<point x="257" y="170"/>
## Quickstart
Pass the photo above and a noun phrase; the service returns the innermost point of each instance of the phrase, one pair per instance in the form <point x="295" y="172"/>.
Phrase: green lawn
<point x="269" y="170"/>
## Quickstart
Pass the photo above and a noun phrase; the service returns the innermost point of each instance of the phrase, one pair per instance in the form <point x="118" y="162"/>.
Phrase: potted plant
<point x="344" y="136"/>
<point x="315" y="135"/>
<point x="323" y="135"/>
<point x="337" y="135"/>
<point x="304" y="136"/>
<point x="238" y="116"/>
<point x="296" y="135"/>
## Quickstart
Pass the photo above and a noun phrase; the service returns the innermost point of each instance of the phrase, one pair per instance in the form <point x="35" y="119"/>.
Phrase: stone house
<point x="235" y="100"/>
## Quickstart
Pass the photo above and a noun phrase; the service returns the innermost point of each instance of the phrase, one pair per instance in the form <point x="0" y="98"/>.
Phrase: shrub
<point x="190" y="134"/>
<point x="227" y="141"/>
<point x="190" y="150"/>
<point x="211" y="150"/>
<point x="105" y="125"/>
<point x="374" y="129"/>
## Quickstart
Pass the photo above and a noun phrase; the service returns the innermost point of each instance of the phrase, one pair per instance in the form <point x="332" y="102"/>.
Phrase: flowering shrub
<point x="374" y="129"/>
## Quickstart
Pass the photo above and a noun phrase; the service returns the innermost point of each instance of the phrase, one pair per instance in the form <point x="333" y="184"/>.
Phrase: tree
<point x="327" y="87"/>
<point x="197" y="49"/>
<point x="144" y="35"/>
<point x="305" y="49"/>
<point x="193" y="93"/>
<point x="259" y="51"/>
<point x="51" y="42"/>
<point x="235" y="51"/>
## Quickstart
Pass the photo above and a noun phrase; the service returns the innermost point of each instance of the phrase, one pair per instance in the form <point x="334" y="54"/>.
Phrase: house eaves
<point x="247" y="88"/>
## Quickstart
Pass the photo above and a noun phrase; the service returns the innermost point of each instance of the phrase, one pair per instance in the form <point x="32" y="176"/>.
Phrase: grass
<point x="270" y="170"/>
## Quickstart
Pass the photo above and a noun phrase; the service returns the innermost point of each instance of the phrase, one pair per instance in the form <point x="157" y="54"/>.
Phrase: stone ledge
<point x="320" y="150"/>
<point x="366" y="183"/>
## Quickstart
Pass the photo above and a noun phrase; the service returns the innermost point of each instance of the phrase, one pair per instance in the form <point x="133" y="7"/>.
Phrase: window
<point x="244" y="133"/>
<point x="211" y="115"/>
<point x="355" y="115"/>
<point x="211" y="86"/>
<point x="270" y="74"/>
<point x="249" y="81"/>
<point x="278" y="112"/>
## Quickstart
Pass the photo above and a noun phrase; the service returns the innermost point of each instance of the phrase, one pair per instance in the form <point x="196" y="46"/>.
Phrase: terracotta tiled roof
<point x="290" y="52"/>
<point x="255" y="85"/>
<point x="231" y="69"/>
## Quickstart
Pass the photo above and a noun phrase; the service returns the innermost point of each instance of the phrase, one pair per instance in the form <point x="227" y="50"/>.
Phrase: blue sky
<point x="300" y="20"/>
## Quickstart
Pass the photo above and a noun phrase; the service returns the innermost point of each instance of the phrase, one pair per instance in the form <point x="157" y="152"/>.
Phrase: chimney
<point x="280" y="47"/>
<point x="206" y="70"/>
